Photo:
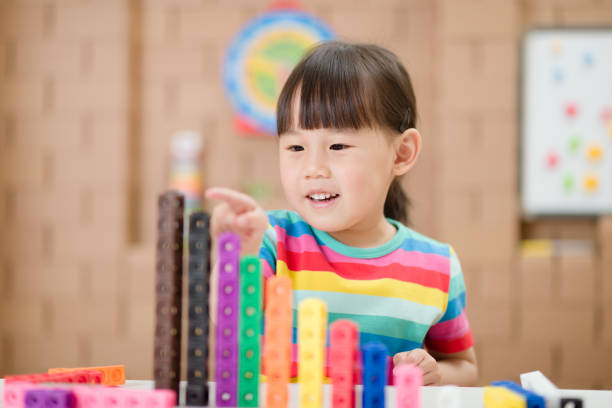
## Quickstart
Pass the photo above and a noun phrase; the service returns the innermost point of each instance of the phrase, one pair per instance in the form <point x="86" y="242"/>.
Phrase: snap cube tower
<point x="374" y="375"/>
<point x="169" y="269"/>
<point x="277" y="347"/>
<point x="408" y="383"/>
<point x="226" y="348"/>
<point x="344" y="344"/>
<point x="199" y="278"/>
<point x="312" y="323"/>
<point x="250" y="330"/>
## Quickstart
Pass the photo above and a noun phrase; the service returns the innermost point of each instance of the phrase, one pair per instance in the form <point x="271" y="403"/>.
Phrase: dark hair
<point x="344" y="86"/>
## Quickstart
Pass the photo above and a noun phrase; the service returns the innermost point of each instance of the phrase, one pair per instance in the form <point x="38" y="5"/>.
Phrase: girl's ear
<point x="407" y="149"/>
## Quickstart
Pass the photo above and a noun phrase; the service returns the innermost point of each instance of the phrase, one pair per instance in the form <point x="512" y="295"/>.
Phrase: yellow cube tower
<point x="312" y="322"/>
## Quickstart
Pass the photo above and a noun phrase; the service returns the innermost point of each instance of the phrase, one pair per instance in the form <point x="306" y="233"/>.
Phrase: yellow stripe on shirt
<point x="330" y="282"/>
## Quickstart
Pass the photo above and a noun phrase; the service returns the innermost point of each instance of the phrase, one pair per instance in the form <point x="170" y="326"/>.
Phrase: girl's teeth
<point x="322" y="196"/>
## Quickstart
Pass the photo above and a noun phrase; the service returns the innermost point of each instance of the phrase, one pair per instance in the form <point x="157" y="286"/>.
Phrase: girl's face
<point x="337" y="180"/>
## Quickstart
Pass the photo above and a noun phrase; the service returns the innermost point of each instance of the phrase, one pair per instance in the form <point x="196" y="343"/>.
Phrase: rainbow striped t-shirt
<point x="406" y="293"/>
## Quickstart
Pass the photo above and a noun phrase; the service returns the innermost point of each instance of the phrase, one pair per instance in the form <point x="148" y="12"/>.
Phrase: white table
<point x="471" y="397"/>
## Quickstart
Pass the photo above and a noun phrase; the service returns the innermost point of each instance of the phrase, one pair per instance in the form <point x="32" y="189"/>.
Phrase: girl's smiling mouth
<point x="322" y="199"/>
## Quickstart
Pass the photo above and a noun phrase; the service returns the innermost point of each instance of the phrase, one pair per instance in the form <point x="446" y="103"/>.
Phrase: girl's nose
<point x="316" y="167"/>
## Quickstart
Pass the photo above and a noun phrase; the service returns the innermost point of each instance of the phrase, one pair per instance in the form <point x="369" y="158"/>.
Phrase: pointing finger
<point x="237" y="201"/>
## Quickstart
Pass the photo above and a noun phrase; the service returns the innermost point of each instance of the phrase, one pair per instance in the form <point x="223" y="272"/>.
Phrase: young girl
<point x="347" y="133"/>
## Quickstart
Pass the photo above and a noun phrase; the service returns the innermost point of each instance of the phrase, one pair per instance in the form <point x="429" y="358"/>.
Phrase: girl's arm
<point x="442" y="369"/>
<point x="457" y="368"/>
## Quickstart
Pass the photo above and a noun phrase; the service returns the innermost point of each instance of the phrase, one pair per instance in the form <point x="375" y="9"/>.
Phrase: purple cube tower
<point x="226" y="353"/>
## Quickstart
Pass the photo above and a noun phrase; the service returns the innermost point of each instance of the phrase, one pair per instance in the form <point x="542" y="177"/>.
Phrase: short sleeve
<point x="452" y="333"/>
<point x="267" y="251"/>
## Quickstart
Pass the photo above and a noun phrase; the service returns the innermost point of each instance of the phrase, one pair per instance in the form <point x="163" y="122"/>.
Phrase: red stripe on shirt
<point x="451" y="346"/>
<point x="315" y="261"/>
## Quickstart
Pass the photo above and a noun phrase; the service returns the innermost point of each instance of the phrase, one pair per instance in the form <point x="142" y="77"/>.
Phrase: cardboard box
<point x="34" y="353"/>
<point x="491" y="322"/>
<point x="187" y="61"/>
<point x="74" y="21"/>
<point x="495" y="283"/>
<point x="476" y="153"/>
<point x="106" y="59"/>
<point x="479" y="19"/>
<point x="576" y="280"/>
<point x="559" y="324"/>
<point x="141" y="319"/>
<point x="101" y="278"/>
<point x="24" y="21"/>
<point x="595" y="15"/>
<point x="604" y="239"/>
<point x="539" y="12"/>
<point x="23" y="96"/>
<point x="6" y="354"/>
<point x="222" y="22"/>
<point x="536" y="281"/>
<point x="350" y="21"/>
<point x="135" y="353"/>
<point x="197" y="98"/>
<point x="34" y="59"/>
<point x="586" y="362"/>
<point x="59" y="279"/>
<point x="500" y="361"/>
<point x="31" y="133"/>
<point x="139" y="273"/>
<point x="480" y="225"/>
<point x="32" y="241"/>
<point x="23" y="316"/>
<point x="97" y="317"/>
<point x="74" y="96"/>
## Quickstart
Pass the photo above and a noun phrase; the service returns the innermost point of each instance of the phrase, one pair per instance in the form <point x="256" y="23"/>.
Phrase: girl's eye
<point x="295" y="148"/>
<point x="338" y="146"/>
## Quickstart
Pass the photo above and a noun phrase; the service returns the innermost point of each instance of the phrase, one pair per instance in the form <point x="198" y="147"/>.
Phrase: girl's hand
<point x="238" y="213"/>
<point x="423" y="360"/>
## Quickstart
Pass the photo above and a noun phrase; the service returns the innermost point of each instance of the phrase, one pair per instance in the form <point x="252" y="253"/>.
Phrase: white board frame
<point x="535" y="199"/>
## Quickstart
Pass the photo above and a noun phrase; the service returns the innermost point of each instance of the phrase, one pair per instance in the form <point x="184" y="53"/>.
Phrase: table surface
<point x="471" y="397"/>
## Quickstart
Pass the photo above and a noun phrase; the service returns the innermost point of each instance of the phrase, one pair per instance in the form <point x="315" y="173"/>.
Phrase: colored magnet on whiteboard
<point x="606" y="114"/>
<point x="558" y="75"/>
<point x="552" y="159"/>
<point x="574" y="143"/>
<point x="594" y="152"/>
<point x="568" y="183"/>
<point x="587" y="58"/>
<point x="556" y="47"/>
<point x="591" y="183"/>
<point x="571" y="110"/>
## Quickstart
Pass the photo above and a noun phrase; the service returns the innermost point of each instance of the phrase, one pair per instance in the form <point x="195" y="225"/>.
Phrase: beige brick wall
<point x="92" y="90"/>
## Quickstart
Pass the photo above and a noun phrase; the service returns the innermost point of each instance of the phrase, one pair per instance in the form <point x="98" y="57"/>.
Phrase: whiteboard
<point x="566" y="122"/>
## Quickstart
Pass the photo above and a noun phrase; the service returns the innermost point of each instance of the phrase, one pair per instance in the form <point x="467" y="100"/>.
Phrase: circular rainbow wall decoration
<point x="261" y="58"/>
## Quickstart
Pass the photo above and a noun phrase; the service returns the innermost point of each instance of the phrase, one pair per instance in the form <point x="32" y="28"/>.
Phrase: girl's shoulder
<point x="288" y="220"/>
<point x="280" y="217"/>
<point x="419" y="241"/>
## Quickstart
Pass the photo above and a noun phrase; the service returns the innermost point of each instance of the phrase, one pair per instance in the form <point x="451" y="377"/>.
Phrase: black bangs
<point x="343" y="86"/>
<point x="332" y="89"/>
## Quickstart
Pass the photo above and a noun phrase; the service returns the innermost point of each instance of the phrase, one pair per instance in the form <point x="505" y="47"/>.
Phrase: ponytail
<point x="397" y="203"/>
